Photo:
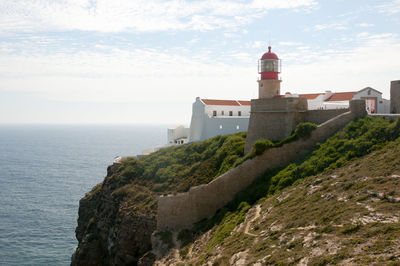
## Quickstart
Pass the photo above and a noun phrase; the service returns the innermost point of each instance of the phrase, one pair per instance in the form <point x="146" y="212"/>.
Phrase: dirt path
<point x="256" y="216"/>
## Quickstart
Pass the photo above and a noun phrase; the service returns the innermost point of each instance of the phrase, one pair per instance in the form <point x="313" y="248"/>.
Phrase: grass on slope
<point x="357" y="139"/>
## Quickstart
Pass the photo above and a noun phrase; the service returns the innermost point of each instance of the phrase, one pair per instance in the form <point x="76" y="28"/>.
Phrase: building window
<point x="237" y="127"/>
<point x="230" y="113"/>
<point x="214" y="113"/>
<point x="220" y="126"/>
<point x="222" y="113"/>
<point x="239" y="113"/>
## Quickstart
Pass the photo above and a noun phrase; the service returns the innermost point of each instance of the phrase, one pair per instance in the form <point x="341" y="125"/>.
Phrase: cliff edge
<point x="110" y="231"/>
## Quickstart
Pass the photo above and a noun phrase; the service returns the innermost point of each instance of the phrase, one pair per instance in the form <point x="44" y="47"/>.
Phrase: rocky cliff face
<point x="110" y="231"/>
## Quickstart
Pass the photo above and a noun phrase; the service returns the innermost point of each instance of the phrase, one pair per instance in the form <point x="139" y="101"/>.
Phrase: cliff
<point x="117" y="218"/>
<point x="110" y="231"/>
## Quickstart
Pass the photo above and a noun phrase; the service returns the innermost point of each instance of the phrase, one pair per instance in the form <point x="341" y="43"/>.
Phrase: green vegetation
<point x="176" y="169"/>
<point x="229" y="221"/>
<point x="304" y="130"/>
<point x="357" y="139"/>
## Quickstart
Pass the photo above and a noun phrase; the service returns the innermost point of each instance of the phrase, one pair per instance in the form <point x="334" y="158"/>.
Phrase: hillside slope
<point x="348" y="215"/>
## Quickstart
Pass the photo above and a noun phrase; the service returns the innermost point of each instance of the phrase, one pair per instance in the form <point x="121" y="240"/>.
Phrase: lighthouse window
<point x="239" y="113"/>
<point x="269" y="65"/>
<point x="214" y="113"/>
<point x="230" y="113"/>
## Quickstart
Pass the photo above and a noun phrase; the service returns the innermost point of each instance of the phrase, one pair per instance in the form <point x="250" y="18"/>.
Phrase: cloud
<point x="289" y="43"/>
<point x="124" y="76"/>
<point x="391" y="8"/>
<point x="365" y="25"/>
<point x="135" y="16"/>
<point x="334" y="26"/>
<point x="373" y="61"/>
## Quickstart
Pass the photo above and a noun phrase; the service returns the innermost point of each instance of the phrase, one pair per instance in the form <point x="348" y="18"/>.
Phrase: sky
<point x="145" y="61"/>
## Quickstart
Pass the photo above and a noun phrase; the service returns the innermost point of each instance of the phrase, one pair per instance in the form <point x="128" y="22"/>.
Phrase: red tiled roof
<point x="341" y="96"/>
<point x="245" y="102"/>
<point x="310" y="96"/>
<point x="225" y="102"/>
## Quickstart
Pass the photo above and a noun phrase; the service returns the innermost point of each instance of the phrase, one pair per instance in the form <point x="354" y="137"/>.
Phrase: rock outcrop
<point x="109" y="232"/>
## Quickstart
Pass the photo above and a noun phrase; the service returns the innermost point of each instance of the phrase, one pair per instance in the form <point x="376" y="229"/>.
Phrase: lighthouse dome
<point x="269" y="55"/>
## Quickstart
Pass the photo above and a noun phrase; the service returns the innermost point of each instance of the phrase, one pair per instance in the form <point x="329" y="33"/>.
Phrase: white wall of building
<point x="204" y="125"/>
<point x="197" y="122"/>
<point x="179" y="133"/>
<point x="335" y="105"/>
<point x="214" y="126"/>
<point x="223" y="110"/>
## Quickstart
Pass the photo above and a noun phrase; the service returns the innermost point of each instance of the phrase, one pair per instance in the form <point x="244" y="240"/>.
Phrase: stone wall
<point x="320" y="116"/>
<point x="395" y="97"/>
<point x="184" y="209"/>
<point x="275" y="119"/>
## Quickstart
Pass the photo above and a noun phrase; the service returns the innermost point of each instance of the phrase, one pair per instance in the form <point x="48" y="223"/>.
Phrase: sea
<point x="44" y="171"/>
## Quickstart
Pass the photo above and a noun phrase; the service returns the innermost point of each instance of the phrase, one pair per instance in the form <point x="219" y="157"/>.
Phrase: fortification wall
<point x="395" y="97"/>
<point x="274" y="119"/>
<point x="184" y="209"/>
<point x="320" y="116"/>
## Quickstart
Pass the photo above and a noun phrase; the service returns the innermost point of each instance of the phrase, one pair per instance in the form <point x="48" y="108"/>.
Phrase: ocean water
<point x="44" y="172"/>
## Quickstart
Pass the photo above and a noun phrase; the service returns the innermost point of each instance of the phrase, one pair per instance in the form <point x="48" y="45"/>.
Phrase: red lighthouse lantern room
<point x="269" y="66"/>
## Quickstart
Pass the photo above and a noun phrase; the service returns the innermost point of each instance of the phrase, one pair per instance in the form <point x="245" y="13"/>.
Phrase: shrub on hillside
<point x="262" y="145"/>
<point x="304" y="130"/>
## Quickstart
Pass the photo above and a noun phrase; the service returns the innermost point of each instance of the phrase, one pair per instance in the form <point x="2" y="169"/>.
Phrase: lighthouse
<point x="269" y="84"/>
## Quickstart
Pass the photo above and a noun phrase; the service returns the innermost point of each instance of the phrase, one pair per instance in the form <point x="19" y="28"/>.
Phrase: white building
<point x="178" y="135"/>
<point x="211" y="118"/>
<point x="328" y="100"/>
<point x="218" y="117"/>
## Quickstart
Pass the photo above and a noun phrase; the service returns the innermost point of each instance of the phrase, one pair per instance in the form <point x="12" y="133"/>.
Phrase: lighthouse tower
<point x="269" y="66"/>
<point x="271" y="117"/>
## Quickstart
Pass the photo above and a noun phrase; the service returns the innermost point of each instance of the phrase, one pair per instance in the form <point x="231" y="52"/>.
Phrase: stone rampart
<point x="320" y="116"/>
<point x="274" y="119"/>
<point x="184" y="209"/>
<point x="395" y="97"/>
